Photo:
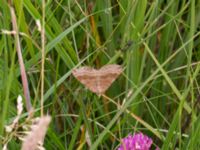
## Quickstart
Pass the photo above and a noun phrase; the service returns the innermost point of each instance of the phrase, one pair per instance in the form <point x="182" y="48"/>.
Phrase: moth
<point x="98" y="80"/>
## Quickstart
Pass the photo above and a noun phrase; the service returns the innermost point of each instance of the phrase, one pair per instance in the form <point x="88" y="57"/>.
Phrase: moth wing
<point x="107" y="75"/>
<point x="113" y="68"/>
<point x="87" y="76"/>
<point x="105" y="81"/>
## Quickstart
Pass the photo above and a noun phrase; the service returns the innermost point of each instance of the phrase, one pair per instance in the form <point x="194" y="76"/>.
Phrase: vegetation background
<point x="156" y="42"/>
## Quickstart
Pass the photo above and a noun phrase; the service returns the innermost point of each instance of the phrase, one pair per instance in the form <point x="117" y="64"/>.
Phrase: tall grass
<point x="156" y="42"/>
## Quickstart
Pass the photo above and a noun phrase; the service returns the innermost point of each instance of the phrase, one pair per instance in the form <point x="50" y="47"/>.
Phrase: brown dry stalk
<point x="43" y="56"/>
<point x="36" y="136"/>
<point x="21" y="63"/>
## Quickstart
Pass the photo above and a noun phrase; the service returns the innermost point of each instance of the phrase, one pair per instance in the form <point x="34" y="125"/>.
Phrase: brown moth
<point x="98" y="81"/>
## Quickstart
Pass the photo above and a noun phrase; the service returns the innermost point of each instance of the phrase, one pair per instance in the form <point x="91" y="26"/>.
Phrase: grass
<point x="156" y="43"/>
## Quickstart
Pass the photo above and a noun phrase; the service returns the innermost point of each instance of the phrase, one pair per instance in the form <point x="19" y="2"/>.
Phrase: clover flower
<point x="137" y="141"/>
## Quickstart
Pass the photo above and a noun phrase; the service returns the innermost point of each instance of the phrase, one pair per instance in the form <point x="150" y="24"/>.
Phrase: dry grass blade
<point x="36" y="136"/>
<point x="21" y="63"/>
<point x="43" y="55"/>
